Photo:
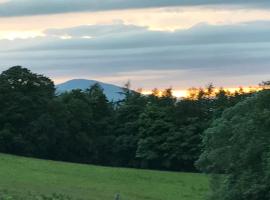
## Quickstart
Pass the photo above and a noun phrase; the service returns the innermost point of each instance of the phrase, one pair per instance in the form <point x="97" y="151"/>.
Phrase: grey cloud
<point x="120" y="36"/>
<point x="216" y="51"/>
<point x="96" y="30"/>
<point x="35" y="7"/>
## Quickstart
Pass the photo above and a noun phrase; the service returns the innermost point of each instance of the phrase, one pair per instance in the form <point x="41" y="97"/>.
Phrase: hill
<point x="21" y="175"/>
<point x="111" y="91"/>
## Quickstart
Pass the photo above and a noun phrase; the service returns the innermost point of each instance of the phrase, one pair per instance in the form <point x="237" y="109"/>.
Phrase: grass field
<point x="22" y="175"/>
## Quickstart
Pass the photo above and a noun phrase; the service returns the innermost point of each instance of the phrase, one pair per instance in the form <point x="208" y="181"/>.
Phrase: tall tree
<point x="126" y="127"/>
<point x="23" y="98"/>
<point x="237" y="146"/>
<point x="102" y="123"/>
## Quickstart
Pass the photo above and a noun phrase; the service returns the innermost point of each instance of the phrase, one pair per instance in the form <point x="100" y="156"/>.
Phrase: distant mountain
<point x="111" y="91"/>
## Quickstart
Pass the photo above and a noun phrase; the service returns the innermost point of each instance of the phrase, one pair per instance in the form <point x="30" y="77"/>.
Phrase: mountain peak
<point x="112" y="92"/>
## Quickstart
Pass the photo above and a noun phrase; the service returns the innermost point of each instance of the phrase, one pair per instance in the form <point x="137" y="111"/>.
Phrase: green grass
<point x="21" y="175"/>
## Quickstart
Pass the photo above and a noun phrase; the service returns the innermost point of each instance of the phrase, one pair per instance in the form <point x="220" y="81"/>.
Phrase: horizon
<point x="179" y="93"/>
<point x="161" y="44"/>
<point x="176" y="91"/>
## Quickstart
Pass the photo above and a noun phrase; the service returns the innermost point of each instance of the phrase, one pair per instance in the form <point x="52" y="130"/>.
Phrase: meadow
<point x="21" y="176"/>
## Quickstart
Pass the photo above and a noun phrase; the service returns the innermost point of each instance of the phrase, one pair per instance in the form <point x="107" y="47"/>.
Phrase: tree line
<point x="142" y="131"/>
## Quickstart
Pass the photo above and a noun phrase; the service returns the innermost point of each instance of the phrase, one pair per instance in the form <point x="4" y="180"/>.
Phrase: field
<point x="21" y="175"/>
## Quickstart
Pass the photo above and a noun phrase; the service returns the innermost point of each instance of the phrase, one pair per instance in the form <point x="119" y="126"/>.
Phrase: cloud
<point x="95" y="30"/>
<point x="172" y="18"/>
<point x="201" y="54"/>
<point x="13" y="8"/>
<point x="119" y="36"/>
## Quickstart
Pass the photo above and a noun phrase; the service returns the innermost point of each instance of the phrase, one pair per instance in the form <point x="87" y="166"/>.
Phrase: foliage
<point x="237" y="146"/>
<point x="24" y="98"/>
<point x="154" y="131"/>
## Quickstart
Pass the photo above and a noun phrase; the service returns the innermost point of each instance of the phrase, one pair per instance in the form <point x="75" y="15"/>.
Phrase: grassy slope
<point x="21" y="175"/>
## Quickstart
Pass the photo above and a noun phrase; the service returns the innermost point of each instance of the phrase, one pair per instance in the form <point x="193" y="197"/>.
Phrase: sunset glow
<point x="186" y="93"/>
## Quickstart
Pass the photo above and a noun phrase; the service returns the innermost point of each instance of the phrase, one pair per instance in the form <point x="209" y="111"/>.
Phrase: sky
<point x="152" y="43"/>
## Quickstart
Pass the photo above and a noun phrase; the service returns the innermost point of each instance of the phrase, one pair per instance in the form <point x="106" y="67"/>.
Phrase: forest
<point x="224" y="134"/>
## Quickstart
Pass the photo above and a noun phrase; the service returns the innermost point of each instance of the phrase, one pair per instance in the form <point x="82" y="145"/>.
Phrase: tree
<point x="237" y="146"/>
<point x="80" y="132"/>
<point x="192" y="117"/>
<point x="126" y="128"/>
<point x="102" y="123"/>
<point x="154" y="129"/>
<point x="23" y="98"/>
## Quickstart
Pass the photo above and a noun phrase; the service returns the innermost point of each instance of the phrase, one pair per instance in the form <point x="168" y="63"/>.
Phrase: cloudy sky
<point x="153" y="43"/>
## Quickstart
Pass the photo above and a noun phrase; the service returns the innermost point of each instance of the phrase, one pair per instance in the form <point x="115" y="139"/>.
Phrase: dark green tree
<point x="236" y="151"/>
<point x="102" y="123"/>
<point x="126" y="128"/>
<point x="155" y="127"/>
<point x="24" y="96"/>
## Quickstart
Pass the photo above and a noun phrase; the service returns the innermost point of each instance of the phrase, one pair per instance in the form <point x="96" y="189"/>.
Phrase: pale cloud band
<point x="198" y="55"/>
<point x="171" y="18"/>
<point x="11" y="8"/>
